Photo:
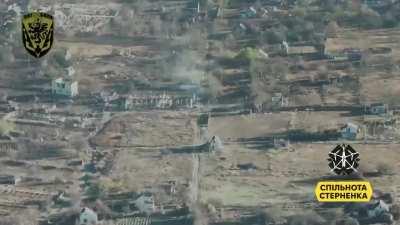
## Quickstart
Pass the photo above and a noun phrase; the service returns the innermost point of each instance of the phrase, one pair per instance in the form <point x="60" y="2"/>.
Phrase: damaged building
<point x="154" y="101"/>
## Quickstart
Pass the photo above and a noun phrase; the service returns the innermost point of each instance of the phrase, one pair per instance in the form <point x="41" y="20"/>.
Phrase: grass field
<point x="286" y="176"/>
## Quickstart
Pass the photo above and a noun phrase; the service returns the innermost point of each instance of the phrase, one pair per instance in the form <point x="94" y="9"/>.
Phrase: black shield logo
<point x="37" y="33"/>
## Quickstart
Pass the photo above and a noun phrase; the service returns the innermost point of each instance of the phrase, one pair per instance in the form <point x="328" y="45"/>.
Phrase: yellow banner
<point x="343" y="191"/>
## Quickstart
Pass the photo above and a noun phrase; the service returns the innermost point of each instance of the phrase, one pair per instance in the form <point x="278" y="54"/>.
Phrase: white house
<point x="278" y="100"/>
<point x="145" y="203"/>
<point x="64" y="87"/>
<point x="88" y="217"/>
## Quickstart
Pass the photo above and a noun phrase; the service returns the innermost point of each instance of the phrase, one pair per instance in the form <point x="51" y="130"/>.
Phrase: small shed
<point x="349" y="131"/>
<point x="278" y="100"/>
<point x="377" y="109"/>
<point x="7" y="179"/>
<point x="64" y="87"/>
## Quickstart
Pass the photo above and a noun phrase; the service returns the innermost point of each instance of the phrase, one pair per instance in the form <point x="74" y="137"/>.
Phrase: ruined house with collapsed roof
<point x="154" y="101"/>
<point x="377" y="109"/>
<point x="64" y="87"/>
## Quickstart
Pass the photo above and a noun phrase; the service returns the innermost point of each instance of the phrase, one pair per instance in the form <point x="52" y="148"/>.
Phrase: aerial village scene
<point x="198" y="112"/>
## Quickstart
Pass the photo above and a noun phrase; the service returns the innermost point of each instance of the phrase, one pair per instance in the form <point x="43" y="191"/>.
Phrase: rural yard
<point x="282" y="180"/>
<point x="149" y="129"/>
<point x="198" y="112"/>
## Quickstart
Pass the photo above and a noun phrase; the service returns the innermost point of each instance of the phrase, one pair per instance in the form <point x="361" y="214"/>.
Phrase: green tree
<point x="247" y="55"/>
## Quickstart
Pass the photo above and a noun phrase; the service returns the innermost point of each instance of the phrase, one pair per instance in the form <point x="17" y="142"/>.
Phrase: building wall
<point x="65" y="88"/>
<point x="87" y="217"/>
<point x="74" y="89"/>
<point x="145" y="204"/>
<point x="161" y="102"/>
<point x="7" y="147"/>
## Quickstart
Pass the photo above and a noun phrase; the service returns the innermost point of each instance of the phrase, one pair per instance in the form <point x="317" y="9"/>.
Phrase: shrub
<point x="274" y="36"/>
<point x="247" y="55"/>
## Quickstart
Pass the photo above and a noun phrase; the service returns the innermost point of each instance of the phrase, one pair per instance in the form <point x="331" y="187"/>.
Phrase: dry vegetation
<point x="147" y="129"/>
<point x="287" y="177"/>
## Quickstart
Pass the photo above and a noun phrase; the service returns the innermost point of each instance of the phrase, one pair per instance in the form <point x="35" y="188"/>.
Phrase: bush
<point x="247" y="55"/>
<point x="59" y="57"/>
<point x="274" y="36"/>
<point x="299" y="29"/>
